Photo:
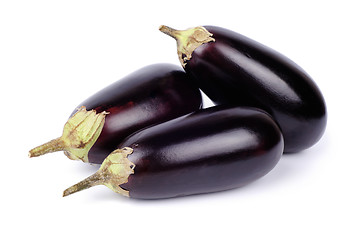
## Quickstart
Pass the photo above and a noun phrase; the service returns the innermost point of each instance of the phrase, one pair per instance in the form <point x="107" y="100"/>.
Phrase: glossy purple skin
<point x="211" y="150"/>
<point x="238" y="70"/>
<point x="151" y="95"/>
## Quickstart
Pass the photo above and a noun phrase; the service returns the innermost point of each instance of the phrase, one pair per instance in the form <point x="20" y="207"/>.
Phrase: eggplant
<point x="149" y="96"/>
<point x="213" y="149"/>
<point x="233" y="69"/>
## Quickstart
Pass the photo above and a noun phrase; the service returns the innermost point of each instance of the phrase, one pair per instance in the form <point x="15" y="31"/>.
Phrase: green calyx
<point x="114" y="171"/>
<point x="80" y="133"/>
<point x="188" y="40"/>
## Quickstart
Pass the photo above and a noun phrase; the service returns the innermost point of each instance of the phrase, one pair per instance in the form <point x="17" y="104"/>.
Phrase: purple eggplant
<point x="149" y="96"/>
<point x="211" y="150"/>
<point x="233" y="69"/>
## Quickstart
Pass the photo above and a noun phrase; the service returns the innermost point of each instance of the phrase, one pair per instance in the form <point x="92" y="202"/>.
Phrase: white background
<point x="54" y="54"/>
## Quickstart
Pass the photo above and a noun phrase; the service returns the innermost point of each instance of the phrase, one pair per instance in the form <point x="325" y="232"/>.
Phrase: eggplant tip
<point x="65" y="193"/>
<point x="113" y="172"/>
<point x="188" y="40"/>
<point x="69" y="191"/>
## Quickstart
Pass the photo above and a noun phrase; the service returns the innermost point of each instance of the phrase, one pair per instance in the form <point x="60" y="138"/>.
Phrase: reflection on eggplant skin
<point x="266" y="77"/>
<point x="214" y="146"/>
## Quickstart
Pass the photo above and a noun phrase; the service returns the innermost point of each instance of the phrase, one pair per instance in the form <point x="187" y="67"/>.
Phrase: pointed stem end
<point x="80" y="133"/>
<point x="54" y="145"/>
<point x="168" y="30"/>
<point x="114" y="171"/>
<point x="69" y="191"/>
<point x="93" y="180"/>
<point x="188" y="40"/>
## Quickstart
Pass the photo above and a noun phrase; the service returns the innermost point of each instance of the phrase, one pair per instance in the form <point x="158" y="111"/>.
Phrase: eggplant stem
<point x="93" y="180"/>
<point x="114" y="171"/>
<point x="54" y="145"/>
<point x="169" y="31"/>
<point x="79" y="135"/>
<point x="188" y="40"/>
